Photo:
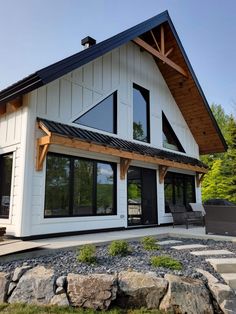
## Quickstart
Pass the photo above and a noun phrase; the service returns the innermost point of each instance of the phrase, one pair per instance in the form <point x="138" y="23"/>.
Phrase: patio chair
<point x="183" y="217"/>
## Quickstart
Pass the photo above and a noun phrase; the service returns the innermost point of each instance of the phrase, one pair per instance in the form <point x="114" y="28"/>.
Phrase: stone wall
<point x="126" y="289"/>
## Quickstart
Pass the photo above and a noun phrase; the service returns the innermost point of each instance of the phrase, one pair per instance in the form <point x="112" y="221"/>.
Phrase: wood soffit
<point x="162" y="45"/>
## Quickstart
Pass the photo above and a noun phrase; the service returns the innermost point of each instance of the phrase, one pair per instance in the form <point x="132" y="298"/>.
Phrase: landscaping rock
<point x="93" y="291"/>
<point x="19" y="271"/>
<point x="11" y="288"/>
<point x="60" y="300"/>
<point x="4" y="284"/>
<point x="140" y="290"/>
<point x="186" y="295"/>
<point x="36" y="286"/>
<point x="61" y="281"/>
<point x="60" y="290"/>
<point x="224" y="296"/>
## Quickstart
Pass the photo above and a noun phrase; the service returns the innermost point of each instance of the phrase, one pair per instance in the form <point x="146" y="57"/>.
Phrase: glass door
<point x="142" y="201"/>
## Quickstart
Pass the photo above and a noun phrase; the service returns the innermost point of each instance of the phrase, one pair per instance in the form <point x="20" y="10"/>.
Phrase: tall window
<point x="141" y="120"/>
<point x="170" y="140"/>
<point x="5" y="184"/>
<point x="103" y="116"/>
<point x="179" y="190"/>
<point x="79" y="187"/>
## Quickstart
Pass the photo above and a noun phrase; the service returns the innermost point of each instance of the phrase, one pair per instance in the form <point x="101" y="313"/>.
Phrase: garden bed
<point x="64" y="262"/>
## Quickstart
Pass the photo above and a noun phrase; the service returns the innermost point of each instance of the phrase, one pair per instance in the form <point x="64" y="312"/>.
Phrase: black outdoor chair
<point x="183" y="217"/>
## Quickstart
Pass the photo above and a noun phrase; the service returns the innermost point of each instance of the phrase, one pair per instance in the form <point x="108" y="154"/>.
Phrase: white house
<point x="106" y="138"/>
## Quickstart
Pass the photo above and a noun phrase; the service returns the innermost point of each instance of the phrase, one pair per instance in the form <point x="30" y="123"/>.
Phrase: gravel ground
<point x="65" y="262"/>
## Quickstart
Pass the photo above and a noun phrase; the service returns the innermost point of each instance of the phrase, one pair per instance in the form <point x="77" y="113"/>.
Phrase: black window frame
<point x="1" y="183"/>
<point x="71" y="185"/>
<point x="147" y="98"/>
<point x="185" y="178"/>
<point x="115" y="108"/>
<point x="172" y="133"/>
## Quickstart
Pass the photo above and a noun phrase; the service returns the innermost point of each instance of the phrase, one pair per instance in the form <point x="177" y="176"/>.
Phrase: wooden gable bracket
<point x="124" y="165"/>
<point x="160" y="52"/>
<point x="199" y="178"/>
<point x="162" y="173"/>
<point x="42" y="146"/>
<point x="11" y="106"/>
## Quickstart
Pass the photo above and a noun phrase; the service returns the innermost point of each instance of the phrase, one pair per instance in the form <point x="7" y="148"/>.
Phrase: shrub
<point x="149" y="243"/>
<point x="119" y="247"/>
<point x="165" y="261"/>
<point x="87" y="254"/>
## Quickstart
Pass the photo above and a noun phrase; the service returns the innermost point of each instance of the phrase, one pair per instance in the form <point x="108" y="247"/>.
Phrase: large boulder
<point x="19" y="271"/>
<point x="60" y="300"/>
<point x="140" y="290"/>
<point x="186" y="295"/>
<point x="91" y="291"/>
<point x="4" y="284"/>
<point x="36" y="286"/>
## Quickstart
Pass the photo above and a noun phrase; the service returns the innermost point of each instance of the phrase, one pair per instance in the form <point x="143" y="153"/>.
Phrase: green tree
<point x="220" y="182"/>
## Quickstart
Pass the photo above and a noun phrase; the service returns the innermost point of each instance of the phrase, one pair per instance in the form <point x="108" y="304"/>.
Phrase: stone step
<point x="167" y="242"/>
<point x="223" y="265"/>
<point x="230" y="279"/>
<point x="211" y="252"/>
<point x="189" y="246"/>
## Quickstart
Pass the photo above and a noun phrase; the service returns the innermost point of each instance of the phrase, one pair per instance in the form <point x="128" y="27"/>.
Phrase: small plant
<point x="165" y="261"/>
<point x="87" y="254"/>
<point x="149" y="243"/>
<point x="119" y="247"/>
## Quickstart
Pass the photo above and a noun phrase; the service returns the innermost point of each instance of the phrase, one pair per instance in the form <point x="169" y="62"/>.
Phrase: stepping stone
<point x="223" y="265"/>
<point x="211" y="252"/>
<point x="169" y="242"/>
<point x="230" y="279"/>
<point x="188" y="246"/>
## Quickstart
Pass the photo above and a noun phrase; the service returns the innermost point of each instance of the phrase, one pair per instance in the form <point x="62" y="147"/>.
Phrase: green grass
<point x="34" y="309"/>
<point x="87" y="254"/>
<point x="165" y="261"/>
<point x="119" y="247"/>
<point x="149" y="243"/>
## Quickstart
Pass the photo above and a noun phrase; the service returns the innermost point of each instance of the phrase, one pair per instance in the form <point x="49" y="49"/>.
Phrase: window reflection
<point x="140" y="114"/>
<point x="5" y="184"/>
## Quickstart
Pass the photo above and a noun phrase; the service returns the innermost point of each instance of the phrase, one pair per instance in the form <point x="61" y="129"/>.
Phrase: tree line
<point x="220" y="181"/>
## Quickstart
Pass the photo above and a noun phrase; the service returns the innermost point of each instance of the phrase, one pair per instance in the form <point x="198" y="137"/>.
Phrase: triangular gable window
<point x="103" y="116"/>
<point x="170" y="139"/>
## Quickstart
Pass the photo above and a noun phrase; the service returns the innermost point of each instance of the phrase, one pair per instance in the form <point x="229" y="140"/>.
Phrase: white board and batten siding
<point x="67" y="98"/>
<point x="12" y="140"/>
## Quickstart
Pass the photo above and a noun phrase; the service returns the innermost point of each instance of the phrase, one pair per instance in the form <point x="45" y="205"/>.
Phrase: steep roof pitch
<point x="185" y="89"/>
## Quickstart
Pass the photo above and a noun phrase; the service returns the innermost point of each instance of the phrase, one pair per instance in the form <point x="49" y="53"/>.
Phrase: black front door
<point x="142" y="200"/>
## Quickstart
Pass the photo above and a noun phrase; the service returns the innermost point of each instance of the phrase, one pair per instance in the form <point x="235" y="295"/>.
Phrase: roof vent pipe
<point x="88" y="42"/>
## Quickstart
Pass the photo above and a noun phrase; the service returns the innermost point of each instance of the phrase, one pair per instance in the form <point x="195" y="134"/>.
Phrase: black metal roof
<point x="114" y="142"/>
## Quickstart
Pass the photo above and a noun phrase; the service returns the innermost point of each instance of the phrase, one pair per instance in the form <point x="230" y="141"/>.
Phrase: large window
<point x="103" y="116"/>
<point x="179" y="190"/>
<point x="79" y="187"/>
<point x="141" y="124"/>
<point x="170" y="140"/>
<point x="5" y="184"/>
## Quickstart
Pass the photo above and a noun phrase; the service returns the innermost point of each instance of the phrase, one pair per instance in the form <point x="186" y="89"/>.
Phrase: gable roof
<point x="186" y="91"/>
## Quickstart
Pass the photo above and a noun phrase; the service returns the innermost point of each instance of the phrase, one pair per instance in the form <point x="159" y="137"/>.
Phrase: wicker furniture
<point x="183" y="217"/>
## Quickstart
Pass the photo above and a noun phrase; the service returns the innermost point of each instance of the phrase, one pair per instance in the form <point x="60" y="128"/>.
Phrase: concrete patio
<point x="14" y="249"/>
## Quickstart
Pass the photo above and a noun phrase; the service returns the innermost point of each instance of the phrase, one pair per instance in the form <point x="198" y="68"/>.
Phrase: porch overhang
<point x="73" y="137"/>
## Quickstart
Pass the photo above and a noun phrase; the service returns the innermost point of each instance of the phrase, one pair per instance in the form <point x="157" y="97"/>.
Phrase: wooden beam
<point x="76" y="143"/>
<point x="3" y="109"/>
<point x="155" y="41"/>
<point x="43" y="128"/>
<point x="162" y="173"/>
<point x="41" y="155"/>
<point x="124" y="166"/>
<point x="168" y="52"/>
<point x="162" y="40"/>
<point x="159" y="55"/>
<point x="199" y="178"/>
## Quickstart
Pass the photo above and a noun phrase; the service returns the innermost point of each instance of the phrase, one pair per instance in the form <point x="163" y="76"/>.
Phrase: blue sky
<point x="36" y="33"/>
